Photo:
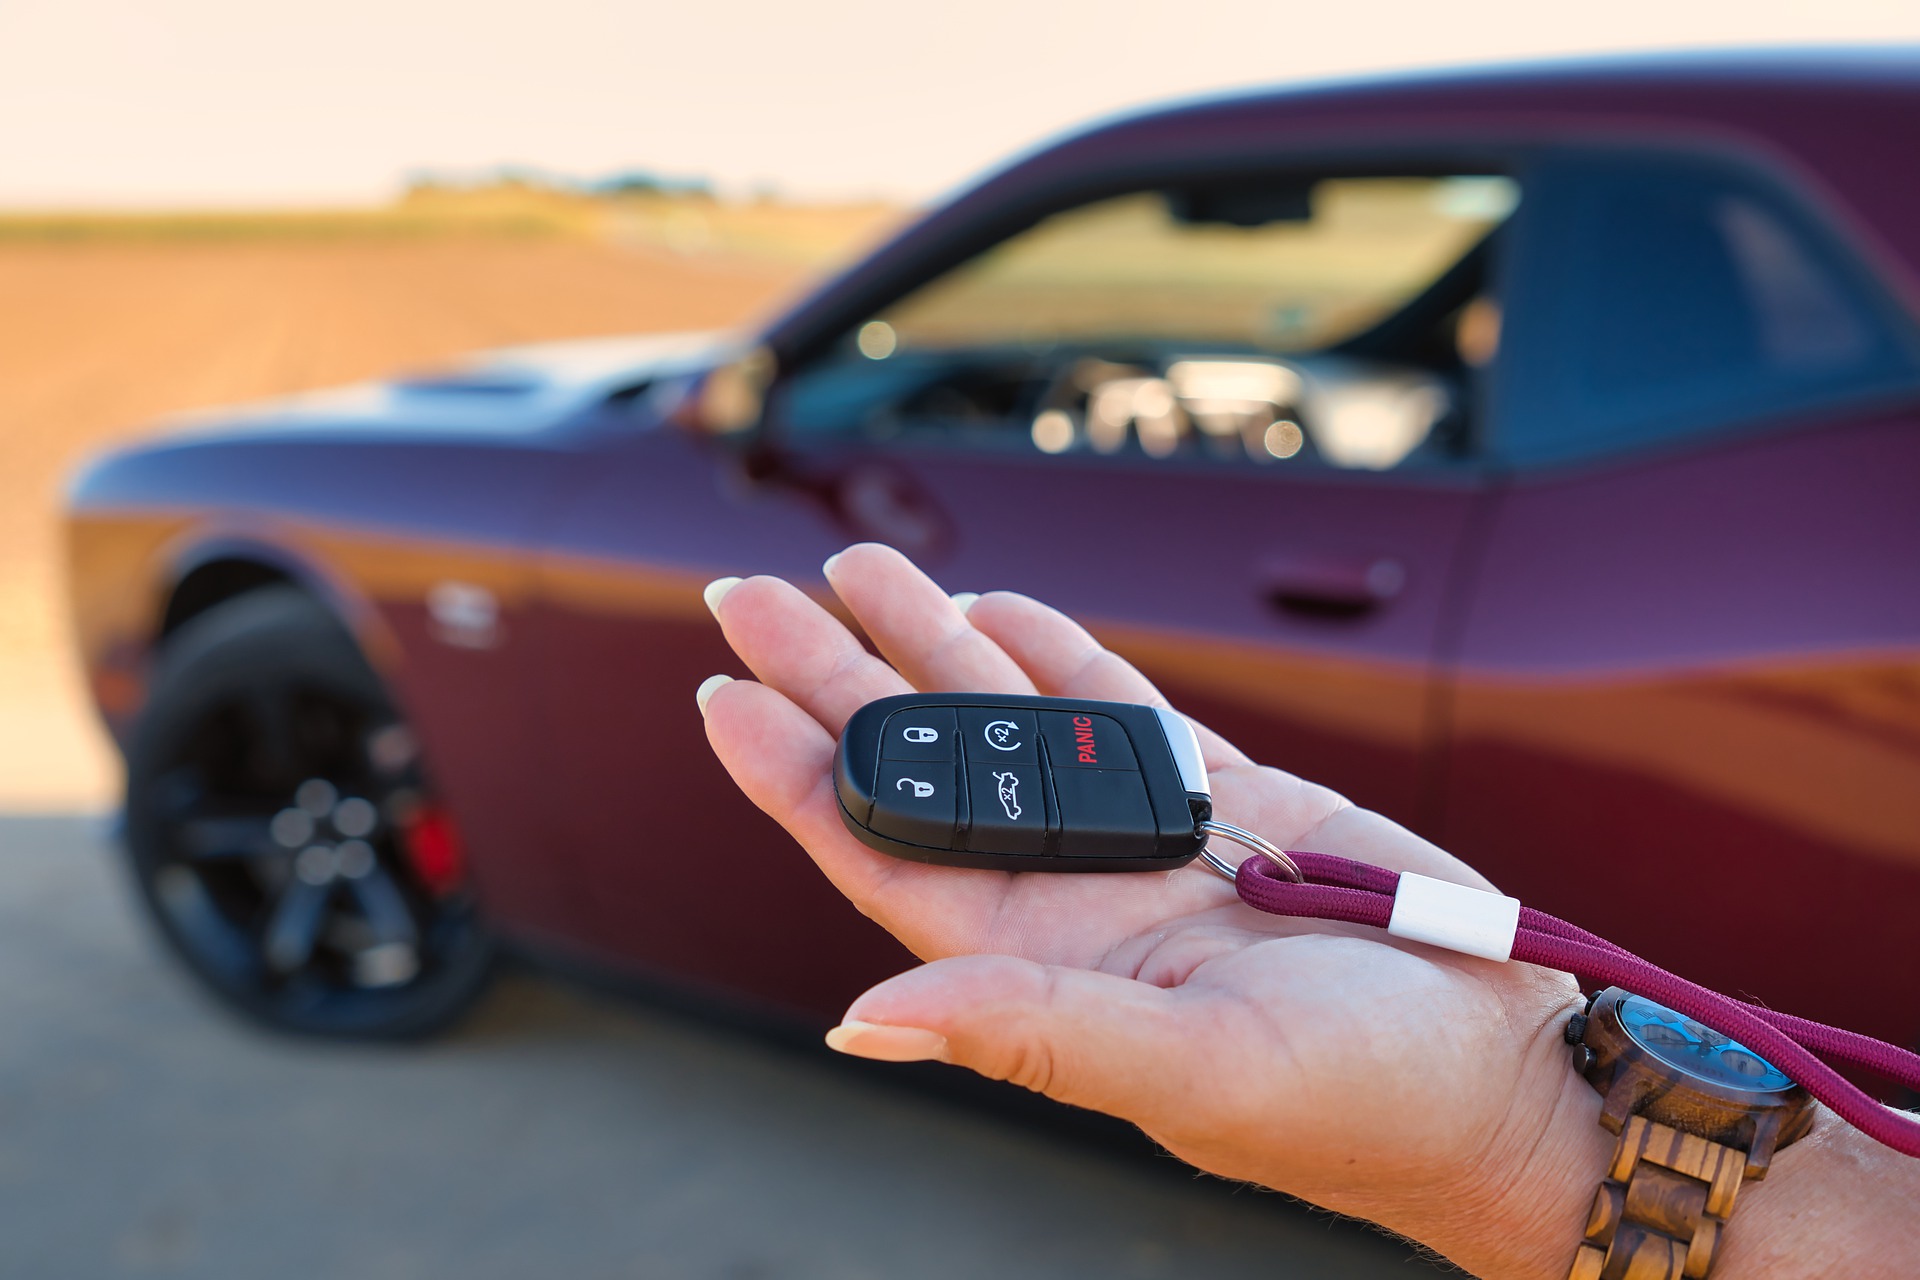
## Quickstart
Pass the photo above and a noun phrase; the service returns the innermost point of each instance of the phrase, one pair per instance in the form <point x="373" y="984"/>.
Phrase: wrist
<point x="1836" y="1201"/>
<point x="1537" y="1193"/>
<point x="1516" y="1206"/>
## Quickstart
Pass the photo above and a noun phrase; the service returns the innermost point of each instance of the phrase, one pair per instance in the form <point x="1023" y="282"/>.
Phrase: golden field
<point x="108" y="322"/>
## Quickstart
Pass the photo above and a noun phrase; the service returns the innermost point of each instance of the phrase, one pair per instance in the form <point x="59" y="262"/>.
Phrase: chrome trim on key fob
<point x="1186" y="751"/>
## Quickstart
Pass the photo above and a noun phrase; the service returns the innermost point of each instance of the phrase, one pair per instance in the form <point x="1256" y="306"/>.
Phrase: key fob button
<point x="1009" y="809"/>
<point x="920" y="733"/>
<point x="1000" y="735"/>
<point x="1085" y="740"/>
<point x="916" y="801"/>
<point x="1103" y="813"/>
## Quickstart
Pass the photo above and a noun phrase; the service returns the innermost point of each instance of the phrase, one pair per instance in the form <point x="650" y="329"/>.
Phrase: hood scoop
<point x="490" y="384"/>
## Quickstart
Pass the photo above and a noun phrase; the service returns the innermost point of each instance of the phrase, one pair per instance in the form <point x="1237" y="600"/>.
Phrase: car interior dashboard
<point x="1400" y="392"/>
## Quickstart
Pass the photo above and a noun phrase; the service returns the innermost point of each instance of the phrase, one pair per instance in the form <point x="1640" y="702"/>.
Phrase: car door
<point x="1687" y="713"/>
<point x="679" y="876"/>
<point x="1229" y="428"/>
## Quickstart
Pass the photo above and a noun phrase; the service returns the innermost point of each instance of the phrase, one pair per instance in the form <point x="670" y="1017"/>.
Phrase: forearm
<point x="1834" y="1203"/>
<point x="1521" y="1216"/>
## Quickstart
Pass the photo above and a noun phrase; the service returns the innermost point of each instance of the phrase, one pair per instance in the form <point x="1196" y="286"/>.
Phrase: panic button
<point x="1082" y="740"/>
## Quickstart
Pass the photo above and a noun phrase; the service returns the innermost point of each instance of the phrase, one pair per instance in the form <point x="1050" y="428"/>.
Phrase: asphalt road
<point x="560" y="1134"/>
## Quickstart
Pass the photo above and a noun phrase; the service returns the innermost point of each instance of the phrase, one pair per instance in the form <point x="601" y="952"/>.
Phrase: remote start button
<point x="1000" y="735"/>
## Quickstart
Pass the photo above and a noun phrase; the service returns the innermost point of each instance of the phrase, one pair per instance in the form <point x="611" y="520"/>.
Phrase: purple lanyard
<point x="1334" y="888"/>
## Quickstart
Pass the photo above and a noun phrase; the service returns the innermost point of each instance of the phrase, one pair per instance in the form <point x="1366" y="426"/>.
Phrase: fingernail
<point x="887" y="1044"/>
<point x="827" y="568"/>
<point x="963" y="600"/>
<point x="708" y="688"/>
<point x="715" y="592"/>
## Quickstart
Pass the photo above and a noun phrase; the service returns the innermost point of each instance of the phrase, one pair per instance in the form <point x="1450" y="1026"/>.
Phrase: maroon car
<point x="1532" y="455"/>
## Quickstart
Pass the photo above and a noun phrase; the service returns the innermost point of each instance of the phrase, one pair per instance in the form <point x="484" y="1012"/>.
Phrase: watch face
<point x="1701" y="1052"/>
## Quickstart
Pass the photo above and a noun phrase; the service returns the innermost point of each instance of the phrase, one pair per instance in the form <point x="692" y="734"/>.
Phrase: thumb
<point x="1085" y="1038"/>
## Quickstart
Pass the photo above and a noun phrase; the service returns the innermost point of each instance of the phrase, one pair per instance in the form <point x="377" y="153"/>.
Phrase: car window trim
<point x="1464" y="474"/>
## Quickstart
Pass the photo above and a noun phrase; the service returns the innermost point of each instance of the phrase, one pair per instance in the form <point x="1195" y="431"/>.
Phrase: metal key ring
<point x="1240" y="835"/>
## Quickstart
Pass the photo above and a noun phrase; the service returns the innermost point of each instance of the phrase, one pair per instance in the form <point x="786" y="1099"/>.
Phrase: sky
<point x="264" y="103"/>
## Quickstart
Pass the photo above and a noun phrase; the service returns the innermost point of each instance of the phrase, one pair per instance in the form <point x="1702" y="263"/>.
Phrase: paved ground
<point x="143" y="1133"/>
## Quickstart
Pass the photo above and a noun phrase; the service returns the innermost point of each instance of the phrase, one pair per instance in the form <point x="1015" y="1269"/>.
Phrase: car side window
<point x="1310" y="320"/>
<point x="1672" y="296"/>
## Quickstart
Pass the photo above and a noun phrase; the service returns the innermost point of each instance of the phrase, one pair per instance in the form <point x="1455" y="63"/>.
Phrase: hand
<point x="1421" y="1089"/>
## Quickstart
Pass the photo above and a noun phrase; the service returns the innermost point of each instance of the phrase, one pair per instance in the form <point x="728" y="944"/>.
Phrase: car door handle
<point x="1319" y="585"/>
<point x="870" y="498"/>
<point x="886" y="504"/>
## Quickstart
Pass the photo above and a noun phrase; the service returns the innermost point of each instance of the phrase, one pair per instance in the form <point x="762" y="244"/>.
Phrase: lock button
<point x="916" y="801"/>
<point x="919" y="733"/>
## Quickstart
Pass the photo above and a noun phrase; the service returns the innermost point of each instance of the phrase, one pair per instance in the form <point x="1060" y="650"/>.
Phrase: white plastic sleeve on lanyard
<point x="1443" y="914"/>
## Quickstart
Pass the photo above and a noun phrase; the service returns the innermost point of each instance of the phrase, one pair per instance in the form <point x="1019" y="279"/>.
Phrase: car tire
<point x="284" y="835"/>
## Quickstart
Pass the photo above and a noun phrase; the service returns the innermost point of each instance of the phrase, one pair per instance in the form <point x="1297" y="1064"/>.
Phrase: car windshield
<point x="1277" y="269"/>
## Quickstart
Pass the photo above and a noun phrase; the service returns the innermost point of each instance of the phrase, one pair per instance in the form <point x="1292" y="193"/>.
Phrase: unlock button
<point x="914" y="801"/>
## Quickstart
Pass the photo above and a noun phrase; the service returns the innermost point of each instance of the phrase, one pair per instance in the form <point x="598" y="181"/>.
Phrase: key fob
<point x="1023" y="784"/>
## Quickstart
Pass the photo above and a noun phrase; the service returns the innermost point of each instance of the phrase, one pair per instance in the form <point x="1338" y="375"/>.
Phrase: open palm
<point x="1390" y="1080"/>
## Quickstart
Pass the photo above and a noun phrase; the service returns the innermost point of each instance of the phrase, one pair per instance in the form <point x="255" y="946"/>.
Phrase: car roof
<point x="1711" y="83"/>
<point x="1836" y="65"/>
<point x="1837" y="123"/>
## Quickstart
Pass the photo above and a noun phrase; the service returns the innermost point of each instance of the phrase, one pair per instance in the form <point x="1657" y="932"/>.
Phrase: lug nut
<point x="317" y="796"/>
<point x="291" y="828"/>
<point x="355" y="817"/>
<point x="354" y="859"/>
<point x="315" y="865"/>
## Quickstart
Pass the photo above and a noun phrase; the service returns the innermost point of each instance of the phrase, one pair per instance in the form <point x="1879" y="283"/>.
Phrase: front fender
<point x="125" y="567"/>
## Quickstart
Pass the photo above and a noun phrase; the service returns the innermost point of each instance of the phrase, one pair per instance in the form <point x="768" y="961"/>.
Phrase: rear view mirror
<point x="731" y="398"/>
<point x="1243" y="205"/>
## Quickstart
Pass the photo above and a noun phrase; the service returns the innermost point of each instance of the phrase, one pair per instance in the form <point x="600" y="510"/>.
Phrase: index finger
<point x="1063" y="658"/>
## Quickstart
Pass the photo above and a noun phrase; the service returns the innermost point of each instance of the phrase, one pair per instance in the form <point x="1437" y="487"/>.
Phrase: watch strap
<point x="1660" y="1211"/>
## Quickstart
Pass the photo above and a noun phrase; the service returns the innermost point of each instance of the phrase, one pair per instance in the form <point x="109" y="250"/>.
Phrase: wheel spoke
<point x="185" y="900"/>
<point x="294" y="928"/>
<point x="385" y="907"/>
<point x="238" y="836"/>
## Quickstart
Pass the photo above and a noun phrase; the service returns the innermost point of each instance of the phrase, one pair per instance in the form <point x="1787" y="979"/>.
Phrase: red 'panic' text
<point x="1083" y="740"/>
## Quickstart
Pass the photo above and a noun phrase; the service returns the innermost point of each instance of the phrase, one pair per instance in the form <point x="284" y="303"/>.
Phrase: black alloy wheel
<point x="284" y="834"/>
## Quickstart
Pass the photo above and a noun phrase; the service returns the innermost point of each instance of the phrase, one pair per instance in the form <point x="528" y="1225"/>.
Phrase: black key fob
<point x="1023" y="784"/>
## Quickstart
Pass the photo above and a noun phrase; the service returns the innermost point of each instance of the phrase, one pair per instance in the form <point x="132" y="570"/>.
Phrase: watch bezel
<point x="1637" y="1081"/>
<point x="1638" y="1035"/>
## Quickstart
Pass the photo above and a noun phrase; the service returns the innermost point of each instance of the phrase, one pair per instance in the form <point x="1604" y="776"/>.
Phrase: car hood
<point x="512" y="389"/>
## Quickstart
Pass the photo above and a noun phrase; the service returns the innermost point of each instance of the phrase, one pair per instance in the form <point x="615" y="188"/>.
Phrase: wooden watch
<point x="1697" y="1114"/>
